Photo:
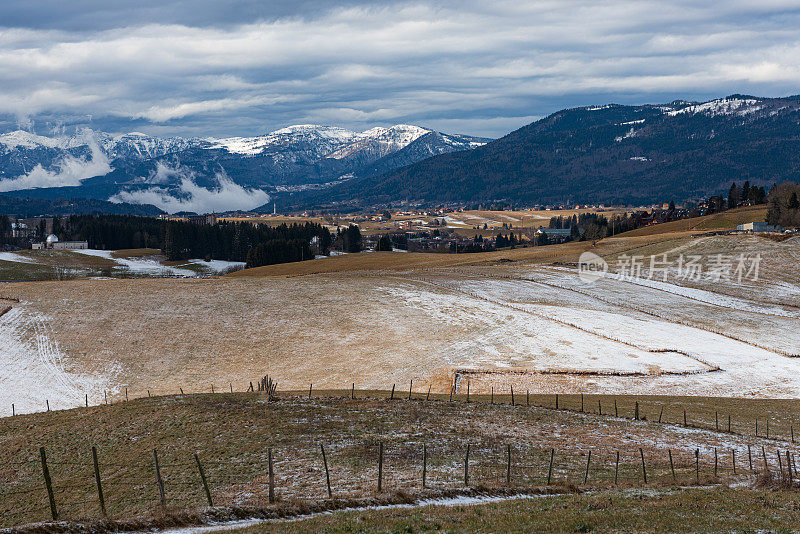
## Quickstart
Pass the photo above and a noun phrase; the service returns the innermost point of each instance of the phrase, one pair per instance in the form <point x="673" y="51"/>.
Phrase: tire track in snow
<point x="711" y="367"/>
<point x="33" y="367"/>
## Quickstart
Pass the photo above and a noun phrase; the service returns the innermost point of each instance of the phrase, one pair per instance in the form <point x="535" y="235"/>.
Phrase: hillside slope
<point x="609" y="154"/>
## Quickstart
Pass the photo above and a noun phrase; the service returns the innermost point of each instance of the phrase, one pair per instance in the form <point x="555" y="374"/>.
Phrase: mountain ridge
<point x="605" y="154"/>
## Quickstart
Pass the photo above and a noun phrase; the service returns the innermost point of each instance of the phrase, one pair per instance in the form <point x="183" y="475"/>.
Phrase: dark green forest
<point x="179" y="240"/>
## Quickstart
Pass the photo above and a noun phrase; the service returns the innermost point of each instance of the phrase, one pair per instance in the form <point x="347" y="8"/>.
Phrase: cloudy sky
<point x="241" y="67"/>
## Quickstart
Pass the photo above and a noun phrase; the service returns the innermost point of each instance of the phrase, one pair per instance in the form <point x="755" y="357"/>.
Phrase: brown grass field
<point x="231" y="433"/>
<point x="514" y="318"/>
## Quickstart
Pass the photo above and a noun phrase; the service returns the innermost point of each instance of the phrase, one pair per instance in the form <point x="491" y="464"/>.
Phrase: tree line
<point x="180" y="240"/>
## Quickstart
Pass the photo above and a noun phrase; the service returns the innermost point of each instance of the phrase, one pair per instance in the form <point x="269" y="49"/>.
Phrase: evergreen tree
<point x="384" y="244"/>
<point x="733" y="196"/>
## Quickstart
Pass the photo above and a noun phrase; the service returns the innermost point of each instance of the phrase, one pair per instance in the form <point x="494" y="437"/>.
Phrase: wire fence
<point x="72" y="488"/>
<point x="131" y="485"/>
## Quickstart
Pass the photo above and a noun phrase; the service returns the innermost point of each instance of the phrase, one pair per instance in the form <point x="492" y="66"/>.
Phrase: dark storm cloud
<point x="216" y="68"/>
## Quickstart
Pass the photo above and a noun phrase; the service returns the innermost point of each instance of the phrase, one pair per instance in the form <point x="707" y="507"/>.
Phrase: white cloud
<point x="417" y="62"/>
<point x="192" y="197"/>
<point x="70" y="171"/>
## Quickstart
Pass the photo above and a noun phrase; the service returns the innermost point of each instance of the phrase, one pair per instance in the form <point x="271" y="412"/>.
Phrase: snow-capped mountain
<point x="610" y="154"/>
<point x="135" y="166"/>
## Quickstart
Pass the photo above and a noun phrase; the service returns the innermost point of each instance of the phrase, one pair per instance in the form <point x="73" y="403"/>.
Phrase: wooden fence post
<point x="126" y="394"/>
<point x="409" y="388"/>
<point x="716" y="421"/>
<point x="467" y="390"/>
<point x="780" y="463"/>
<point x="327" y="475"/>
<point x="767" y="428"/>
<point x="616" y="412"/>
<point x="684" y="417"/>
<point x="729" y="422"/>
<point x="508" y="465"/>
<point x="98" y="482"/>
<point x="231" y="385"/>
<point x="550" y="468"/>
<point x="491" y="396"/>
<point x="716" y="462"/>
<point x="160" y="481"/>
<point x="271" y="474"/>
<point x="750" y="457"/>
<point x="466" y="467"/>
<point x="212" y="389"/>
<point x="309" y="389"/>
<point x="697" y="465"/>
<point x="203" y="480"/>
<point x="86" y="399"/>
<point x="148" y="393"/>
<point x="756" y="432"/>
<point x="424" y="465"/>
<point x="48" y="404"/>
<point x="616" y="469"/>
<point x="48" y="484"/>
<point x="353" y="391"/>
<point x="588" y="460"/>
<point x="636" y="411"/>
<point x="428" y="396"/>
<point x="791" y="429"/>
<point x="512" y="396"/>
<point x="527" y="397"/>
<point x="764" y="454"/>
<point x="660" y="414"/>
<point x="556" y="401"/>
<point x="13" y="410"/>
<point x="644" y="471"/>
<point x="392" y="396"/>
<point x="380" y="467"/>
<point x="672" y="466"/>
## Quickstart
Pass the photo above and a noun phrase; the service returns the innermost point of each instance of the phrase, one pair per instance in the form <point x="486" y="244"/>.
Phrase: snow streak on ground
<point x="10" y="256"/>
<point x="34" y="368"/>
<point x="449" y="501"/>
<point x="140" y="265"/>
<point x="218" y="266"/>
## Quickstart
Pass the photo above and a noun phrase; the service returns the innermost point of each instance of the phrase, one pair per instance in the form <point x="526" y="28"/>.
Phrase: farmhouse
<point x="758" y="226"/>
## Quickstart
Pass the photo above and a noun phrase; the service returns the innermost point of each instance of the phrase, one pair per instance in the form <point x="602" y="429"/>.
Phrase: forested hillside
<point x="611" y="154"/>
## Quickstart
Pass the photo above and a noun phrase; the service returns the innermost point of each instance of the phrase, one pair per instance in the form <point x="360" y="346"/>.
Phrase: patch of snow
<point x="218" y="265"/>
<point x="144" y="266"/>
<point x="10" y="256"/>
<point x="33" y="368"/>
<point x="722" y="106"/>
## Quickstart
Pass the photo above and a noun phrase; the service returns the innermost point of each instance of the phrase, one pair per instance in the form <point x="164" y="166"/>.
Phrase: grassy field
<point x="231" y="434"/>
<point x="727" y="220"/>
<point x="682" y="510"/>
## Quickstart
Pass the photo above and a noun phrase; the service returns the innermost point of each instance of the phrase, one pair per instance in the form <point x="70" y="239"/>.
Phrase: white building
<point x="758" y="226"/>
<point x="53" y="243"/>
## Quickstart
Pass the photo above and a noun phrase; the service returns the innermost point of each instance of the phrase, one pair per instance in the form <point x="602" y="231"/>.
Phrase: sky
<point x="210" y="68"/>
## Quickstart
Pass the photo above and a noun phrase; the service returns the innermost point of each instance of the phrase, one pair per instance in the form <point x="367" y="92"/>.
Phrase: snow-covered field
<point x="34" y="369"/>
<point x="538" y="327"/>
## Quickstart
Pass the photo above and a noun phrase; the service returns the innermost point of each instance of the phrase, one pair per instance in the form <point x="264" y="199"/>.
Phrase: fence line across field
<point x="205" y="482"/>
<point x="269" y="386"/>
<point x="481" y="465"/>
